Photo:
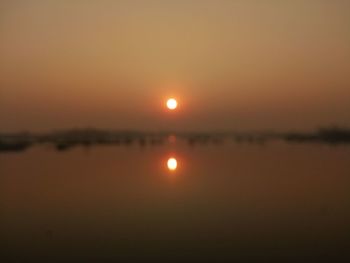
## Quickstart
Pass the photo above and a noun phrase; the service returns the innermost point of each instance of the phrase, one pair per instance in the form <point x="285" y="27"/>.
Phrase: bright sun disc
<point x="171" y="104"/>
<point x="172" y="164"/>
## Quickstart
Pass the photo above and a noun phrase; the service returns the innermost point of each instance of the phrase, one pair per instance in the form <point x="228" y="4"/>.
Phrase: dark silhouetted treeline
<point x="65" y="140"/>
<point x="332" y="135"/>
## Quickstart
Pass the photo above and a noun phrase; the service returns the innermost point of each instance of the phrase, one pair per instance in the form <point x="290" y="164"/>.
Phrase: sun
<point x="171" y="104"/>
<point x="172" y="164"/>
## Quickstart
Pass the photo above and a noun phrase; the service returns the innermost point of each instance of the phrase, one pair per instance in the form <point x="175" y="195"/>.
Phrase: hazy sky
<point x="231" y="64"/>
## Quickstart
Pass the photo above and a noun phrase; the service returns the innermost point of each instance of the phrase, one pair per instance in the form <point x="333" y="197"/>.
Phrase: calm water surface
<point x="223" y="203"/>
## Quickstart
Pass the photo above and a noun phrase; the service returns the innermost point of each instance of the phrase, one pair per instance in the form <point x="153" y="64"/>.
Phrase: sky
<point x="232" y="65"/>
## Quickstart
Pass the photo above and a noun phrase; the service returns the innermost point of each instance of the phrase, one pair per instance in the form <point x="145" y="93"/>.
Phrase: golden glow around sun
<point x="172" y="164"/>
<point x="171" y="104"/>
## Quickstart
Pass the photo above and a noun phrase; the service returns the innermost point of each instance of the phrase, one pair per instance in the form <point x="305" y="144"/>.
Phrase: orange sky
<point x="232" y="64"/>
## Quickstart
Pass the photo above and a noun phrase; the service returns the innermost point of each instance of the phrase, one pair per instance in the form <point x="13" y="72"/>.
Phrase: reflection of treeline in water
<point x="65" y="140"/>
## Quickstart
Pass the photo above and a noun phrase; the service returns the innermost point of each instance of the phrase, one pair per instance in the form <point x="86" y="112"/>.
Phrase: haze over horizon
<point x="232" y="65"/>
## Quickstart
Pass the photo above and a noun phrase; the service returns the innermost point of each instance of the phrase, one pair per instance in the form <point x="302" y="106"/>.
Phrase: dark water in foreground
<point x="224" y="203"/>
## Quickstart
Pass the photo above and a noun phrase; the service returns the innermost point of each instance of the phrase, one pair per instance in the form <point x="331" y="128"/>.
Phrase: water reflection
<point x="135" y="201"/>
<point x="172" y="164"/>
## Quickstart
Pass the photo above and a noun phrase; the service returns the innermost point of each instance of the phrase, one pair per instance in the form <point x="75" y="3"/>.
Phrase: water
<point x="231" y="202"/>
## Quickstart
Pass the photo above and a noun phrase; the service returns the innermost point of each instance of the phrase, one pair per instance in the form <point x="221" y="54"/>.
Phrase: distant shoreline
<point x="64" y="140"/>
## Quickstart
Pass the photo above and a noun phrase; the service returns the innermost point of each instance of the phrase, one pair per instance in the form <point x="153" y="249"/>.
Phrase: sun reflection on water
<point x="172" y="164"/>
